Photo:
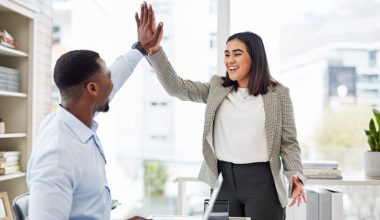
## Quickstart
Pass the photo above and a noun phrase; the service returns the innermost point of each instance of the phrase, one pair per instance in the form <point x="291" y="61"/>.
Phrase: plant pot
<point x="372" y="164"/>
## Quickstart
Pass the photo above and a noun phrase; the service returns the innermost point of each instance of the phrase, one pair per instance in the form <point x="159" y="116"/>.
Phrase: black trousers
<point x="250" y="190"/>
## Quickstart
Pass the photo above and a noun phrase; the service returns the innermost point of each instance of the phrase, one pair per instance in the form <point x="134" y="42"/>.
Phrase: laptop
<point x="207" y="212"/>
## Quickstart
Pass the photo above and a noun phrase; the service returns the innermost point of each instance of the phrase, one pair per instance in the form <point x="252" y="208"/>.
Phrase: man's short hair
<point x="74" y="68"/>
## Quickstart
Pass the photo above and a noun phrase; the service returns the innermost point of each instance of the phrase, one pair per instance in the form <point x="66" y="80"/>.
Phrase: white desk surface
<point x="357" y="180"/>
<point x="346" y="181"/>
<point x="179" y="217"/>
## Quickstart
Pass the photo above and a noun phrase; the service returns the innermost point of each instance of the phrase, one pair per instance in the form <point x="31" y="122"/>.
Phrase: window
<point x="150" y="137"/>
<point x="373" y="58"/>
<point x="368" y="78"/>
<point x="371" y="93"/>
<point x="158" y="137"/>
<point x="213" y="44"/>
<point x="147" y="129"/>
<point x="315" y="50"/>
<point x="56" y="34"/>
<point x="159" y="104"/>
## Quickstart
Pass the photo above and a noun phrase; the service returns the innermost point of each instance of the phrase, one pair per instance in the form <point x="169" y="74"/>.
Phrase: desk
<point x="346" y="181"/>
<point x="182" y="217"/>
<point x="358" y="180"/>
<point x="181" y="202"/>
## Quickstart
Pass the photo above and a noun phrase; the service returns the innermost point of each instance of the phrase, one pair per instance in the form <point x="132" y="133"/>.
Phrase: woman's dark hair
<point x="259" y="77"/>
<point x="74" y="68"/>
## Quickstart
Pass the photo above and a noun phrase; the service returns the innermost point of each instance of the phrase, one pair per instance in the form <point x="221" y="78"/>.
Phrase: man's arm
<point x="123" y="68"/>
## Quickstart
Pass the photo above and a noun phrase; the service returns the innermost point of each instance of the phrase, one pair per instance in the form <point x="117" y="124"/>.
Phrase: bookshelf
<point x="17" y="108"/>
<point x="11" y="176"/>
<point x="15" y="135"/>
<point x="13" y="94"/>
<point x="11" y="52"/>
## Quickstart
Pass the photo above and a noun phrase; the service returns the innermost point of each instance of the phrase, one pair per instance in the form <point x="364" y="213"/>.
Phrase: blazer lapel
<point x="270" y="108"/>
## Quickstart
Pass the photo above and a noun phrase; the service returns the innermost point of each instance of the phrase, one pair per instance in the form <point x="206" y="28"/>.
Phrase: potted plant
<point x="372" y="157"/>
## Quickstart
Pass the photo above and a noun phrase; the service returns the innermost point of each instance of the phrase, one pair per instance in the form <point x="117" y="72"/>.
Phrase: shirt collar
<point x="79" y="128"/>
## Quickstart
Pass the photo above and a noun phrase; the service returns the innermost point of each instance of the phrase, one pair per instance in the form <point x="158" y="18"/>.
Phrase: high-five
<point x="249" y="129"/>
<point x="149" y="35"/>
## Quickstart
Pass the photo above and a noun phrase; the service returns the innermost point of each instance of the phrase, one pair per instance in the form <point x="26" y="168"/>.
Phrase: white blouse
<point x="239" y="130"/>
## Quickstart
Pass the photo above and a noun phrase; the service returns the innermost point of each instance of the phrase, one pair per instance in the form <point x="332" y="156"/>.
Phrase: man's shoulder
<point x="55" y="148"/>
<point x="51" y="126"/>
<point x="54" y="134"/>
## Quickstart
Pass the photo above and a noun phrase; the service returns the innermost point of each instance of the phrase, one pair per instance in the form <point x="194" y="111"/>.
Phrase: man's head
<point x="82" y="74"/>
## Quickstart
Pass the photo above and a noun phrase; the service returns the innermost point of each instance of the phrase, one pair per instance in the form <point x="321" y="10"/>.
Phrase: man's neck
<point x="81" y="111"/>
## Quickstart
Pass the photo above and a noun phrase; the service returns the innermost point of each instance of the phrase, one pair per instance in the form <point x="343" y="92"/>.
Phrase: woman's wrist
<point x="297" y="180"/>
<point x="153" y="50"/>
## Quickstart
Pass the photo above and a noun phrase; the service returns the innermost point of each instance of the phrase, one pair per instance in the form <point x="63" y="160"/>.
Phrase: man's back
<point x="68" y="165"/>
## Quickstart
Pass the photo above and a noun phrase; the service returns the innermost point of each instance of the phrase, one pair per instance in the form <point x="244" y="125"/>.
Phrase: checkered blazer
<point x="283" y="148"/>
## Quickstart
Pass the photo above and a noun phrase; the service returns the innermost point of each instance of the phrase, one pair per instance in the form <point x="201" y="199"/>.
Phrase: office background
<point x="326" y="52"/>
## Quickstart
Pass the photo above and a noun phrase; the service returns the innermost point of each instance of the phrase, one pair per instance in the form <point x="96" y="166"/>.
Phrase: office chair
<point x="20" y="206"/>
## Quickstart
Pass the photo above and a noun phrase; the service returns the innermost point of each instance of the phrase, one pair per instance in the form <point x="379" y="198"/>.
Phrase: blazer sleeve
<point x="174" y="85"/>
<point x="290" y="149"/>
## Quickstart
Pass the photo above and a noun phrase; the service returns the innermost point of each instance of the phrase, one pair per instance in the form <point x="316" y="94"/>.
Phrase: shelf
<point x="11" y="176"/>
<point x="13" y="94"/>
<point x="5" y="51"/>
<point x="21" y="20"/>
<point x="346" y="181"/>
<point x="14" y="135"/>
<point x="18" y="6"/>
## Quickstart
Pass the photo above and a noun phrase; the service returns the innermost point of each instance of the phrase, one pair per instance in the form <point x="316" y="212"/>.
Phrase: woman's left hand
<point x="298" y="193"/>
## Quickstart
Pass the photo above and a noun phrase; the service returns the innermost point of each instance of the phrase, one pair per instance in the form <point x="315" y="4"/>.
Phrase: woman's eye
<point x="226" y="55"/>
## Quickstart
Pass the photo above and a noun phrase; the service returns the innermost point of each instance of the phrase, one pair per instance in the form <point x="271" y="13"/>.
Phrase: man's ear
<point x="92" y="88"/>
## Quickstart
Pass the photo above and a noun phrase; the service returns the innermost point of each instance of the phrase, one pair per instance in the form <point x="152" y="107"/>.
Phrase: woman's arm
<point x="290" y="150"/>
<point x="150" y="36"/>
<point x="174" y="85"/>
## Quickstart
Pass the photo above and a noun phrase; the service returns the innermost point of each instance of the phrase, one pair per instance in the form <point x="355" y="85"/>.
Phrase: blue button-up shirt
<point x="66" y="172"/>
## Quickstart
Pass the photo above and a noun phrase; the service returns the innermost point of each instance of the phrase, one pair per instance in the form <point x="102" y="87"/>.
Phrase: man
<point x="66" y="172"/>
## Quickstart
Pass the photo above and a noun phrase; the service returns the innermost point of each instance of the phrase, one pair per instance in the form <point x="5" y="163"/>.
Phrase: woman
<point x="249" y="128"/>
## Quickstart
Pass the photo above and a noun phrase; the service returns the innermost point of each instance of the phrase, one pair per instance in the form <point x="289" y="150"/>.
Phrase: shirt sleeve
<point x="123" y="68"/>
<point x="51" y="180"/>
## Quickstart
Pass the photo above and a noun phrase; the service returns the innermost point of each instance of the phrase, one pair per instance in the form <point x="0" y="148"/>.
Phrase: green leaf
<point x="372" y="142"/>
<point x="372" y="126"/>
<point x="373" y="133"/>
<point x="377" y="116"/>
<point x="367" y="132"/>
<point x="377" y="146"/>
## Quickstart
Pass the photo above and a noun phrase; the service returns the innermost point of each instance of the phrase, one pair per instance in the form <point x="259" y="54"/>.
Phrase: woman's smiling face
<point x="238" y="62"/>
